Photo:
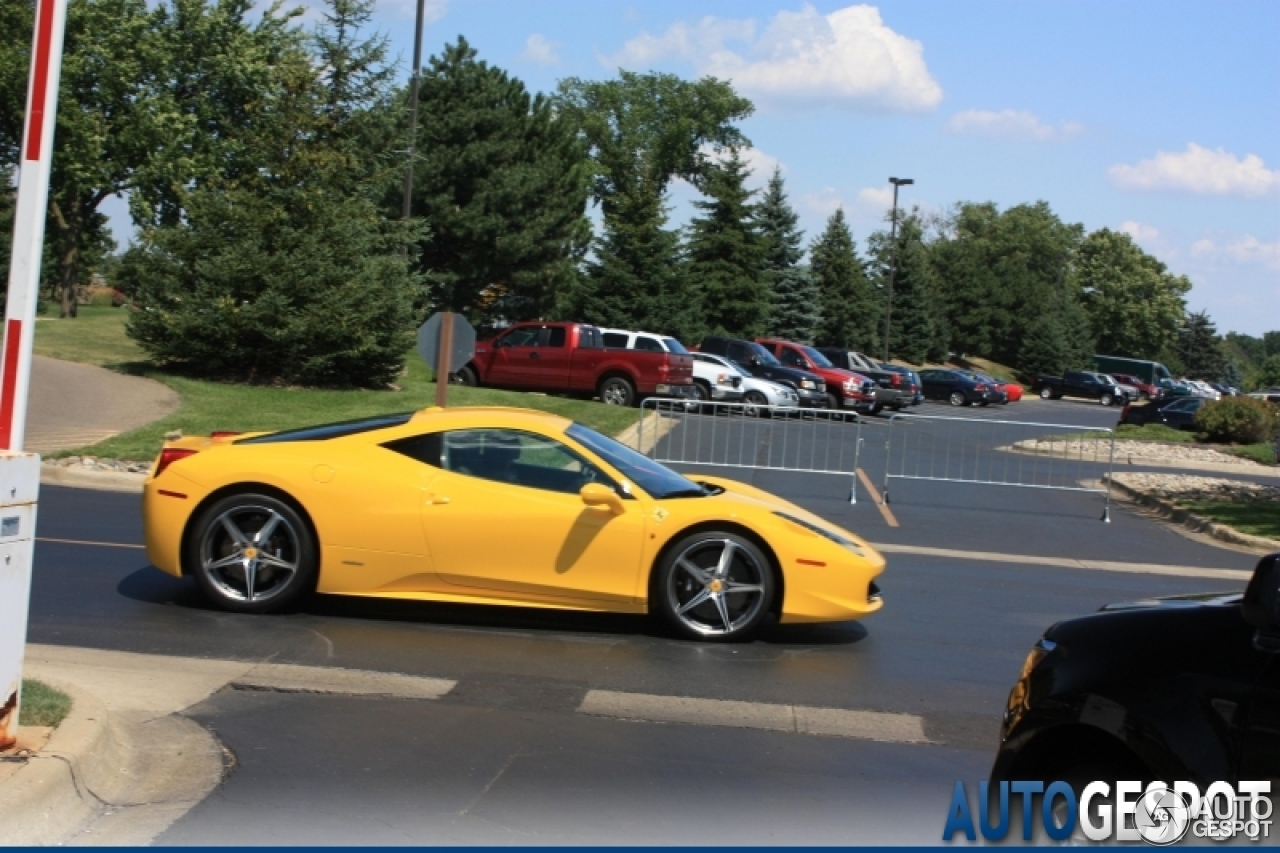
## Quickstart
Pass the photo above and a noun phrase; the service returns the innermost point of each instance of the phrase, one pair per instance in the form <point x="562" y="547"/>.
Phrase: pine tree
<point x="794" y="314"/>
<point x="502" y="182"/>
<point x="1198" y="342"/>
<point x="848" y="315"/>
<point x="726" y="255"/>
<point x="917" y="332"/>
<point x="283" y="273"/>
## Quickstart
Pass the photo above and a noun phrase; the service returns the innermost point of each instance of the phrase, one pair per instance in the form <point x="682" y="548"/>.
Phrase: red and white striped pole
<point x="20" y="472"/>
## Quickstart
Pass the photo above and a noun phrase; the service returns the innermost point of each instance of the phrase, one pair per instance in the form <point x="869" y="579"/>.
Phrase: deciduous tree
<point x="1135" y="305"/>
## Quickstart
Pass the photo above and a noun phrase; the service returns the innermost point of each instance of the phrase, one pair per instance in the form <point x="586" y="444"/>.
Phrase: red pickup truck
<point x="571" y="358"/>
<point x="845" y="389"/>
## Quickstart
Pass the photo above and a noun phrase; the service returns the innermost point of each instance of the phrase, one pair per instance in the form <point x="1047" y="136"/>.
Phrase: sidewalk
<point x="126" y="763"/>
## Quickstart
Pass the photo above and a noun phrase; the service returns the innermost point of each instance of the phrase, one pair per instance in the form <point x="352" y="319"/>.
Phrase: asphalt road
<point x="507" y="758"/>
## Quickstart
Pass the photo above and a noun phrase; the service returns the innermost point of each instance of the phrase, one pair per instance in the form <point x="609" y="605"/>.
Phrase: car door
<point x="1260" y="758"/>
<point x="504" y="517"/>
<point x="511" y="352"/>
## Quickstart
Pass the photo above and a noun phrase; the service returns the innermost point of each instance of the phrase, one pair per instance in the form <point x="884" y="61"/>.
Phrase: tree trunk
<point x="69" y="233"/>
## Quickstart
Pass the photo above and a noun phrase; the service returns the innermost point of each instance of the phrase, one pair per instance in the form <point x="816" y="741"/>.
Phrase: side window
<point x="617" y="340"/>
<point x="553" y="336"/>
<point x="422" y="448"/>
<point x="519" y="458"/>
<point x="739" y="353"/>
<point x="649" y="344"/>
<point x="589" y="338"/>
<point x="525" y="337"/>
<point x="791" y="358"/>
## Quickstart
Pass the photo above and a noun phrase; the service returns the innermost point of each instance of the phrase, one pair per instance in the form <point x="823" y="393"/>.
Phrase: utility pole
<point x="893" y="255"/>
<point x="413" y="108"/>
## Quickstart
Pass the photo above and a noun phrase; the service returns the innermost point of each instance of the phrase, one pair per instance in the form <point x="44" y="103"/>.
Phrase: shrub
<point x="1237" y="420"/>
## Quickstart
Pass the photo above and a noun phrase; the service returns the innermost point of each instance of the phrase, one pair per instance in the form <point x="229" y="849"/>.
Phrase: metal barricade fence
<point x="767" y="438"/>
<point x="1000" y="453"/>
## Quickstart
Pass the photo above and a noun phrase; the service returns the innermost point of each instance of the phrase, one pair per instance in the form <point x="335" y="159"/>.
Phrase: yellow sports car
<point x="492" y="506"/>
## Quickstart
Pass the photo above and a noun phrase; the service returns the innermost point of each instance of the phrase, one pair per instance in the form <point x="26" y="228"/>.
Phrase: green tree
<point x="502" y="181"/>
<point x="1135" y="306"/>
<point x="1200" y="347"/>
<point x="847" y="307"/>
<point x="794" y="315"/>
<point x="642" y="131"/>
<point x="726" y="255"/>
<point x="1268" y="373"/>
<point x="976" y="308"/>
<point x="286" y="273"/>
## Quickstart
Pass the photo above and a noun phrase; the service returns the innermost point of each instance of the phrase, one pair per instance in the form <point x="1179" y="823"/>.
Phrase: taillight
<point x="895" y="380"/>
<point x="224" y="433"/>
<point x="979" y="387"/>
<point x="664" y="369"/>
<point x="170" y="455"/>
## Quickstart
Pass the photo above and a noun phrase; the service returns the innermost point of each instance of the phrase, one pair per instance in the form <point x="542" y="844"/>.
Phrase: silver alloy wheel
<point x="250" y="554"/>
<point x="957" y="398"/>
<point x="615" y="392"/>
<point x="752" y="402"/>
<point x="716" y="587"/>
<point x="1106" y="399"/>
<point x="1046" y="393"/>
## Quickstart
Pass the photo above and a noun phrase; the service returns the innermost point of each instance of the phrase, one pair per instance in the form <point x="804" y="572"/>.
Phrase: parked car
<point x="1012" y="391"/>
<point x="1271" y="395"/>
<point x="710" y="384"/>
<point x="1184" y="687"/>
<point x="891" y="389"/>
<point x="1175" y="412"/>
<point x="759" y="362"/>
<point x="571" y="358"/>
<point x="1080" y="383"/>
<point x="957" y="387"/>
<point x="1204" y="389"/>
<point x="917" y="387"/>
<point x="1146" y="390"/>
<point x="755" y="392"/>
<point x="1225" y="390"/>
<point x="846" y="389"/>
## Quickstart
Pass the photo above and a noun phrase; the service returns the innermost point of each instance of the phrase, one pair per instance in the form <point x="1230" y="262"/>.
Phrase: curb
<point x="81" y="478"/>
<point x="50" y="796"/>
<point x="1196" y="523"/>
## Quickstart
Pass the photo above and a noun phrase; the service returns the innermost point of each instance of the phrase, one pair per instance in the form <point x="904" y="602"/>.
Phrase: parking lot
<point x="524" y="748"/>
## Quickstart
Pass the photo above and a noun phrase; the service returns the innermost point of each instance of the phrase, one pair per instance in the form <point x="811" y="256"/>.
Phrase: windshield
<point x="675" y="346"/>
<point x="656" y="480"/>
<point x="817" y="357"/>
<point x="763" y="354"/>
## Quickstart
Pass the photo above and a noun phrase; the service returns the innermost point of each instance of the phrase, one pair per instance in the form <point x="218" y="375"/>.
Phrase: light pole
<point x="413" y="108"/>
<point x="893" y="258"/>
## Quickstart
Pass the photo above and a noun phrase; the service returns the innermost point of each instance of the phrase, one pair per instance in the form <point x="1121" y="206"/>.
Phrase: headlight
<point x="823" y="532"/>
<point x="851" y="385"/>
<point x="1038" y="653"/>
<point x="806" y="383"/>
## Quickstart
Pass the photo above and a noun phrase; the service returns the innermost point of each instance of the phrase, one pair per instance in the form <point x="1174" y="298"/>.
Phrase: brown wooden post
<point x="442" y="363"/>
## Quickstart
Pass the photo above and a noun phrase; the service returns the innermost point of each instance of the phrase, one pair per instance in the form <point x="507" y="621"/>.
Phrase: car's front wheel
<point x="754" y="403"/>
<point x="252" y="553"/>
<point x="1106" y="399"/>
<point x="714" y="585"/>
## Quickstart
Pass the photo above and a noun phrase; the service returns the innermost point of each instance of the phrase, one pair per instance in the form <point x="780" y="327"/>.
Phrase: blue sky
<point x="1158" y="118"/>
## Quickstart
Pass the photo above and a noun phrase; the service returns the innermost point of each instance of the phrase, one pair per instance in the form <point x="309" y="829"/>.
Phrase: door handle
<point x="533" y="355"/>
<point x="437" y="500"/>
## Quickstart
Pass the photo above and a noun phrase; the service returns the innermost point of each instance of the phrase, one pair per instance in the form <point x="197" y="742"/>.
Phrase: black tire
<point x="833" y="401"/>
<point x="752" y="403"/>
<point x="232" y="567"/>
<point x="701" y="391"/>
<point x="728" y="605"/>
<point x="957" y="398"/>
<point x="467" y="376"/>
<point x="1143" y="395"/>
<point x="617" y="391"/>
<point x="1046" y="393"/>
<point x="1106" y="399"/>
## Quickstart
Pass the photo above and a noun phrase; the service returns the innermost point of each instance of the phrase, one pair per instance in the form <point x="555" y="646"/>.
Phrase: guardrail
<point x="769" y="438"/>
<point x="1000" y="453"/>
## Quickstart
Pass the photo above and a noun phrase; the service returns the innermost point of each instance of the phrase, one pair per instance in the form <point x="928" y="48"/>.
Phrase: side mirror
<point x="1261" y="605"/>
<point x="600" y="495"/>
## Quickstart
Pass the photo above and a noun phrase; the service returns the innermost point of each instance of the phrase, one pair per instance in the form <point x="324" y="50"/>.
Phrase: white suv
<point x="711" y="382"/>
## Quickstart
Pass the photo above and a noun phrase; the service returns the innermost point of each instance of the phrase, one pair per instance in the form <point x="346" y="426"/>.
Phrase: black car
<point x="913" y="378"/>
<point x="957" y="387"/>
<point x="1180" y="688"/>
<point x="759" y="362"/>
<point x="1176" y="412"/>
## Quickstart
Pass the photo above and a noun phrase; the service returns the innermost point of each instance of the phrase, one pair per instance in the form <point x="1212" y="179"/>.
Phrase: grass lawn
<point x="1154" y="432"/>
<point x="97" y="337"/>
<point x="1259" y="518"/>
<point x="42" y="705"/>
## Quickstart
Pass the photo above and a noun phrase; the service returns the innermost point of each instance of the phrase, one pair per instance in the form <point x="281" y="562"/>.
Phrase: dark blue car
<point x="957" y="387"/>
<point x="1177" y="412"/>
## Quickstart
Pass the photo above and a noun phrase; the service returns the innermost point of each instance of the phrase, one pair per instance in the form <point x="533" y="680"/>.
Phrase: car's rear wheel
<point x="617" y="391"/>
<point x="466" y="376"/>
<point x="1046" y="393"/>
<point x="1106" y="399"/>
<point x="957" y="398"/>
<point x="252" y="553"/>
<point x="714" y="585"/>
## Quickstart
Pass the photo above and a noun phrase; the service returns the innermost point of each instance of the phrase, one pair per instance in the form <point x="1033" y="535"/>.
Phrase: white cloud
<point x="1139" y="232"/>
<point x="1201" y="171"/>
<point x="848" y="59"/>
<point x="1247" y="250"/>
<point x="824" y="202"/>
<point x="1011" y="124"/>
<point x="878" y="199"/>
<point x="758" y="163"/>
<point x="539" y="50"/>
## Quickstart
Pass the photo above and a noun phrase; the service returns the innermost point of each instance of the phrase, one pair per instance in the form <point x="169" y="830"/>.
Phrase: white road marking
<point x="1067" y="562"/>
<point x="830" y="722"/>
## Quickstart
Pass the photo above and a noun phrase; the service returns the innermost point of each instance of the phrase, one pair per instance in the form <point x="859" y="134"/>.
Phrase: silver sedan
<point x="756" y="392"/>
